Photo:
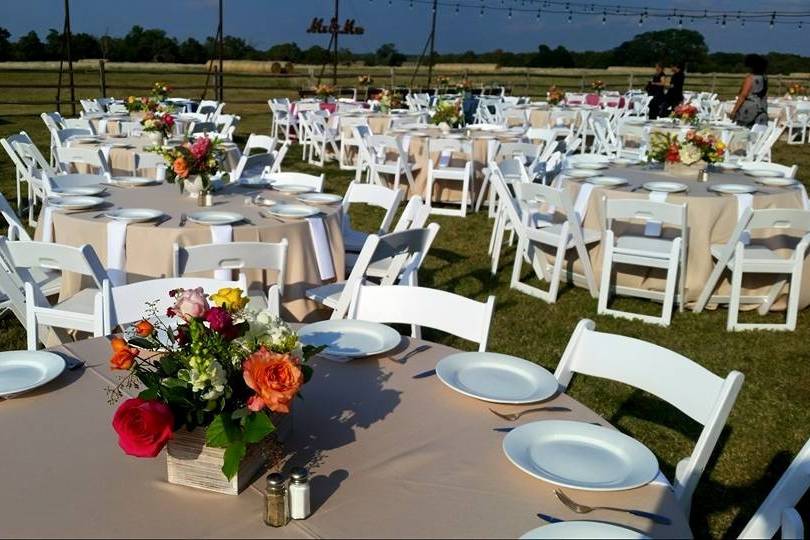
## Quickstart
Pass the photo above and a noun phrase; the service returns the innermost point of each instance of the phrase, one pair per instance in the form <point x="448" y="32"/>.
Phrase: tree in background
<point x="285" y="52"/>
<point x="29" y="48"/>
<point x="6" y="49"/>
<point x="666" y="46"/>
<point x="386" y="55"/>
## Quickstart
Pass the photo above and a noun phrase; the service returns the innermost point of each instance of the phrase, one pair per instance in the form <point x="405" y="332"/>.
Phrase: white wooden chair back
<point x="61" y="136"/>
<point x="691" y="388"/>
<point x="784" y="170"/>
<point x="414" y="215"/>
<point x="420" y="306"/>
<point x="374" y="195"/>
<point x="79" y="123"/>
<point x="92" y="157"/>
<point x="16" y="231"/>
<point x="644" y="210"/>
<point x="253" y="165"/>
<point x="128" y="301"/>
<point x="257" y="141"/>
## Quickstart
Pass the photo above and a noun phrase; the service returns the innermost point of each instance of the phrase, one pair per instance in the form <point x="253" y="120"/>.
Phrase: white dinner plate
<point x="24" y="370"/>
<point x="134" y="215"/>
<point x="215" y="217"/>
<point x="319" y="198"/>
<point x="132" y="180"/>
<point x="728" y="166"/>
<point x="624" y="162"/>
<point x="582" y="529"/>
<point x="77" y="202"/>
<point x="290" y="189"/>
<point x="763" y="173"/>
<point x="580" y="173"/>
<point x="579" y="455"/>
<point x="606" y="181"/>
<point x="85" y="139"/>
<point x="498" y="378"/>
<point x="665" y="187"/>
<point x="775" y="181"/>
<point x="589" y="166"/>
<point x="253" y="181"/>
<point x="732" y="189"/>
<point x="350" y="338"/>
<point x="292" y="211"/>
<point x="87" y="191"/>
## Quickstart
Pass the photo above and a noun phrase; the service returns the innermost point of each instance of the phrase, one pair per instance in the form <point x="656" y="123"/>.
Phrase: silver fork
<point x="511" y="417"/>
<point x="404" y="358"/>
<point x="584" y="509"/>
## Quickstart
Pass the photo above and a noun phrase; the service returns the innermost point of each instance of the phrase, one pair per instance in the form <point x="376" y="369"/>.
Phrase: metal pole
<point x="221" y="52"/>
<point x="335" y="65"/>
<point x="69" y="59"/>
<point x="432" y="43"/>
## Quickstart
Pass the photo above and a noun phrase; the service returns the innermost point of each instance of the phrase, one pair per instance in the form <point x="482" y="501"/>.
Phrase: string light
<point x="538" y="15"/>
<point x="457" y="8"/>
<point x="510" y="13"/>
<point x="604" y="16"/>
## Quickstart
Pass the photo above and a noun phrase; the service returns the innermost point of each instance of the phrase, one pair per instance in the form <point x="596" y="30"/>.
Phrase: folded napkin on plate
<point x="117" y="252"/>
<point x="653" y="226"/>
<point x="320" y="243"/>
<point x="47" y="224"/>
<point x="583" y="197"/>
<point x="222" y="234"/>
<point x="744" y="200"/>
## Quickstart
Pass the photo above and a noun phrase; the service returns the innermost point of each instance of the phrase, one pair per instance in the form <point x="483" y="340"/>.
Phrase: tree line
<point x="154" y="45"/>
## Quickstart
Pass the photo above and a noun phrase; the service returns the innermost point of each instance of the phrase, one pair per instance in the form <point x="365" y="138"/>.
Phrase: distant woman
<point x="674" y="95"/>
<point x="752" y="102"/>
<point x="655" y="88"/>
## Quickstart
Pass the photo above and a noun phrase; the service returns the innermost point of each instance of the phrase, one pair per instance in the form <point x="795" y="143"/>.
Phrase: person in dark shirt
<point x="655" y="88"/>
<point x="674" y="95"/>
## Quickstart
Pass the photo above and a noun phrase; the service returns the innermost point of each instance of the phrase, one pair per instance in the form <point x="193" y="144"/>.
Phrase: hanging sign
<point x="349" y="27"/>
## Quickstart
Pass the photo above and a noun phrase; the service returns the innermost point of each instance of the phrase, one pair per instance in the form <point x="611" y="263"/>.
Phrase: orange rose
<point x="144" y="328"/>
<point x="123" y="355"/>
<point x="274" y="377"/>
<point x="180" y="167"/>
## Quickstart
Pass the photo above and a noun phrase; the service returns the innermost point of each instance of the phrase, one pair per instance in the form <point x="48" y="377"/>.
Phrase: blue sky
<point x="265" y="22"/>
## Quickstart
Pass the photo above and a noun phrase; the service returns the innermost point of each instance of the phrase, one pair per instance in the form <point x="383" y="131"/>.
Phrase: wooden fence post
<point x="311" y="71"/>
<point x="714" y="82"/>
<point x="528" y="81"/>
<point x="630" y="83"/>
<point x="102" y="77"/>
<point x="393" y="78"/>
<point x="582" y="83"/>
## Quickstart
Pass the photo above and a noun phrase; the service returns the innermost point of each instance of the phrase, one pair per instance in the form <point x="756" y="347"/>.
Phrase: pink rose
<point x="200" y="147"/>
<point x="221" y="321"/>
<point x="191" y="303"/>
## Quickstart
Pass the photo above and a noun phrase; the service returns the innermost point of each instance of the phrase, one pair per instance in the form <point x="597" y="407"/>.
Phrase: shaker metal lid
<point x="276" y="480"/>
<point x="298" y="475"/>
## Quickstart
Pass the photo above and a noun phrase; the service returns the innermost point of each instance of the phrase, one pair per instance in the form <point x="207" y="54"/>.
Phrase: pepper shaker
<point x="276" y="503"/>
<point x="299" y="493"/>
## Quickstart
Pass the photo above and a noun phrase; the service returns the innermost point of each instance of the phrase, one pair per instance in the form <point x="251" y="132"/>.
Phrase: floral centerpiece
<point x="193" y="162"/>
<point x="158" y="125"/>
<point x="465" y="85"/>
<point x="686" y="113"/>
<point x="161" y="90"/>
<point x="598" y="86"/>
<point x="390" y="100"/>
<point x="364" y="80"/>
<point x="681" y="156"/>
<point x="554" y="96"/>
<point x="323" y="91"/>
<point x="448" y="114"/>
<point x="443" y="81"/>
<point x="222" y="370"/>
<point x="796" y="90"/>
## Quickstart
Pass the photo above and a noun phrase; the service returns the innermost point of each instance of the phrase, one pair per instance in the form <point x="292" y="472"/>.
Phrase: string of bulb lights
<point x="570" y="10"/>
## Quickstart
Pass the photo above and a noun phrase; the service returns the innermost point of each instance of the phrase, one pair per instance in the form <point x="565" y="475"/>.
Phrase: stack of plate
<point x="134" y="215"/>
<point x="607" y="181"/>
<point x="86" y="191"/>
<point x="292" y="211"/>
<point x="665" y="187"/>
<point x="132" y="181"/>
<point x="580" y="173"/>
<point x="582" y="529"/>
<point x="763" y="173"/>
<point x="215" y="217"/>
<point x="290" y="189"/>
<point x="732" y="189"/>
<point x="775" y="181"/>
<point x="21" y="371"/>
<point x="591" y="166"/>
<point x="319" y="198"/>
<point x="75" y="202"/>
<point x="350" y="338"/>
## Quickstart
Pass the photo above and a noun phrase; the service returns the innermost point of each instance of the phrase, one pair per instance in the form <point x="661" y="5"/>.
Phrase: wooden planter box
<point x="688" y="172"/>
<point x="189" y="462"/>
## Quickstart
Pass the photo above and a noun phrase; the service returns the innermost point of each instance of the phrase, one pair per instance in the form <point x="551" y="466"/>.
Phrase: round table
<point x="149" y="245"/>
<point x="392" y="453"/>
<point x="711" y="219"/>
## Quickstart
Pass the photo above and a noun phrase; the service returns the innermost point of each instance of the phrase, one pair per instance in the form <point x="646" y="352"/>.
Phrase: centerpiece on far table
<point x="598" y="86"/>
<point x="213" y="387"/>
<point x="686" y="156"/>
<point x="324" y="91"/>
<point x="686" y="113"/>
<point x="160" y="91"/>
<point x="390" y="100"/>
<point x="554" y="96"/>
<point x="796" y="90"/>
<point x="448" y="114"/>
<point x="158" y="126"/>
<point x="193" y="163"/>
<point x="443" y="81"/>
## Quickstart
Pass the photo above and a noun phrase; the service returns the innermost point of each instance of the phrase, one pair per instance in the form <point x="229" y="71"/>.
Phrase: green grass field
<point x="769" y="423"/>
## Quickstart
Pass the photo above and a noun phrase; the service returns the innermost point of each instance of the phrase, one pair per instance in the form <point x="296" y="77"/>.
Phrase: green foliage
<point x="667" y="46"/>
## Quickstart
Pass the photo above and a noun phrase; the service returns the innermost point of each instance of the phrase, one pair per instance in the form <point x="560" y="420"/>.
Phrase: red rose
<point x="143" y="426"/>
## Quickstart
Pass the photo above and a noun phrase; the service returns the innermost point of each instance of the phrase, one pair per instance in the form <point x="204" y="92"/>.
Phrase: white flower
<point x="690" y="154"/>
<point x="206" y="374"/>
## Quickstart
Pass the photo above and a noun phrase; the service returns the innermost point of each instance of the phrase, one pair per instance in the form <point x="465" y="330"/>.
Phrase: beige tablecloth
<point x="711" y="218"/>
<point x="390" y="455"/>
<point x="149" y="248"/>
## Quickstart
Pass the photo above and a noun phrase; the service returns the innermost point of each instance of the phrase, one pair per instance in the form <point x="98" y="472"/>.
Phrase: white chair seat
<point x="643" y="246"/>
<point x="551" y="235"/>
<point x="81" y="302"/>
<point x="752" y="254"/>
<point x="353" y="240"/>
<point x="327" y="295"/>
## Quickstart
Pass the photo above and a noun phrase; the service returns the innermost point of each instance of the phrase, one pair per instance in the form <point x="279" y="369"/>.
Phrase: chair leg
<point x="481" y="192"/>
<point x="496" y="249"/>
<point x="495" y="225"/>
<point x="736" y="288"/>
<point x="607" y="267"/>
<point x="711" y="283"/>
<point x="669" y="288"/>
<point x="793" y="296"/>
<point x="773" y="294"/>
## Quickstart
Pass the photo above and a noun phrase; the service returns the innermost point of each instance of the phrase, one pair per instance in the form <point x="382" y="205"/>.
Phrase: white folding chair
<point x="237" y="256"/>
<point x="420" y="306"/>
<point x="68" y="158"/>
<point x="79" y="123"/>
<point x="780" y="170"/>
<point x="644" y="245"/>
<point x="388" y="156"/>
<point x="348" y="140"/>
<point x="202" y="129"/>
<point x="633" y="141"/>
<point x="379" y="196"/>
<point x="283" y="122"/>
<point x="778" y="511"/>
<point x="691" y="388"/>
<point x="62" y="136"/>
<point x="28" y="163"/>
<point x="149" y="161"/>
<point x="560" y="236"/>
<point x="405" y="249"/>
<point x="300" y="179"/>
<point x="86" y="311"/>
<point x="54" y="185"/>
<point x="261" y="142"/>
<point x="444" y="171"/>
<point x="258" y="164"/>
<point x="743" y="255"/>
<point x="129" y="301"/>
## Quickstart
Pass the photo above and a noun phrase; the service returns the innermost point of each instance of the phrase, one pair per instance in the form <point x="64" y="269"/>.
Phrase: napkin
<point x="47" y="224"/>
<point x="117" y="252"/>
<point x="222" y="234"/>
<point x="583" y="197"/>
<point x="102" y="126"/>
<point x="653" y="226"/>
<point x="320" y="243"/>
<point x="744" y="200"/>
<point x="444" y="157"/>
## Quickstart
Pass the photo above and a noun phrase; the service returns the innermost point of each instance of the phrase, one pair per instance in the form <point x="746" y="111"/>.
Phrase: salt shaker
<point x="704" y="175"/>
<point x="276" y="503"/>
<point x="299" y="493"/>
